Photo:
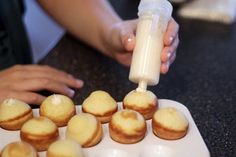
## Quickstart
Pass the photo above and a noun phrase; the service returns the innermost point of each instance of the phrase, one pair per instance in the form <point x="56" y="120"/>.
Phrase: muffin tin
<point x="151" y="146"/>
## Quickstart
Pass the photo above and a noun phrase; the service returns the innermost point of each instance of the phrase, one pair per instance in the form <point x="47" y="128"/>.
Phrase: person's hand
<point x="122" y="43"/>
<point x="23" y="81"/>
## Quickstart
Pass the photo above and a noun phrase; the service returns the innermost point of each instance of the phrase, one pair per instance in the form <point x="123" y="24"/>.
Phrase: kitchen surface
<point x="203" y="76"/>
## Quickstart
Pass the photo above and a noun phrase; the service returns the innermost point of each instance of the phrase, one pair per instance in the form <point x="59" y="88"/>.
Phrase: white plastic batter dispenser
<point x="154" y="16"/>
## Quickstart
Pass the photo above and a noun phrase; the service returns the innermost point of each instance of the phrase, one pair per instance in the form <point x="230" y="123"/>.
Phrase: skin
<point x="22" y="82"/>
<point x="111" y="35"/>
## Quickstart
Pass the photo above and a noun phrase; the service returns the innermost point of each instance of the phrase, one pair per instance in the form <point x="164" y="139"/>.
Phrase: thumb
<point x="127" y="37"/>
<point x="128" y="41"/>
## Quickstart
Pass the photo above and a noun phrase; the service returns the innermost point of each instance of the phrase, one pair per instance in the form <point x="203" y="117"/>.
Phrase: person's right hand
<point x="121" y="42"/>
<point x="23" y="81"/>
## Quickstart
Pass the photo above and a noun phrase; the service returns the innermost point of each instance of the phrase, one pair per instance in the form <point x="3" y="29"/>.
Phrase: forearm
<point x="88" y="20"/>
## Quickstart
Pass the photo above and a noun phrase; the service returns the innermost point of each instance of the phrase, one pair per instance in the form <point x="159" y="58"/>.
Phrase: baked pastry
<point x="127" y="126"/>
<point x="100" y="104"/>
<point x="84" y="128"/>
<point x="65" y="148"/>
<point x="19" y="149"/>
<point x="13" y="114"/>
<point x="169" y="123"/>
<point x="58" y="108"/>
<point x="144" y="102"/>
<point x="40" y="132"/>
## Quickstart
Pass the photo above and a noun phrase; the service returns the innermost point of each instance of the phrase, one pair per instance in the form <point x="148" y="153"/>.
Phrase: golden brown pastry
<point x="127" y="126"/>
<point x="58" y="108"/>
<point x="19" y="149"/>
<point x="65" y="148"/>
<point x="144" y="102"/>
<point x="169" y="123"/>
<point x="13" y="113"/>
<point x="84" y="128"/>
<point x="39" y="132"/>
<point x="100" y="104"/>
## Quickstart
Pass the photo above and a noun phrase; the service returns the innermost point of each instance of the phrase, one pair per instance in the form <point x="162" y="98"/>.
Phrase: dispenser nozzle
<point x="142" y="86"/>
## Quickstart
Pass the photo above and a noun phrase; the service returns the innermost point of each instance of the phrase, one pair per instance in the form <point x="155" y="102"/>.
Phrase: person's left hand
<point x="24" y="82"/>
<point x="122" y="42"/>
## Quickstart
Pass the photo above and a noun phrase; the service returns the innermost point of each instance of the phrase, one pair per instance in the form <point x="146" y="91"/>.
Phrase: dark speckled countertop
<point x="203" y="77"/>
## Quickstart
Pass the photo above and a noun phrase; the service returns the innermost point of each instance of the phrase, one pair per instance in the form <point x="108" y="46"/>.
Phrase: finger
<point x="127" y="35"/>
<point x="165" y="67"/>
<point x="66" y="79"/>
<point x="171" y="32"/>
<point x="129" y="42"/>
<point x="44" y="84"/>
<point x="48" y="72"/>
<point x="31" y="98"/>
<point x="27" y="97"/>
<point x="172" y="59"/>
<point x="165" y="54"/>
<point x="169" y="51"/>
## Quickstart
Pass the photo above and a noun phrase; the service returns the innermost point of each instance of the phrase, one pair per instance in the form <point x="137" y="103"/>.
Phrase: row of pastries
<point x="126" y="126"/>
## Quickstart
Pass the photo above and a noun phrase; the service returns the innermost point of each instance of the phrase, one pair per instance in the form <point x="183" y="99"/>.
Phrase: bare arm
<point x="88" y="20"/>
